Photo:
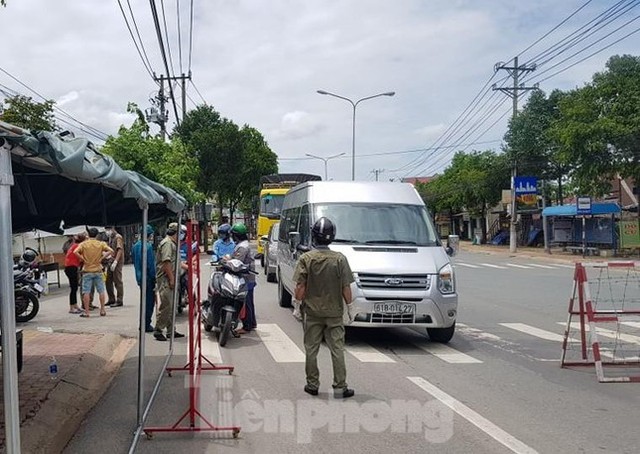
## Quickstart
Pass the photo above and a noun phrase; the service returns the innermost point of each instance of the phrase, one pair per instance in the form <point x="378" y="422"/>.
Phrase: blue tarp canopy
<point x="571" y="210"/>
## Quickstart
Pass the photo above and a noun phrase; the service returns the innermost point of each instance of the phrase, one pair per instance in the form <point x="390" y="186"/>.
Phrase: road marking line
<point x="631" y="324"/>
<point x="519" y="266"/>
<point x="368" y="354"/>
<point x="490" y="265"/>
<point x="608" y="333"/>
<point x="533" y="331"/>
<point x="541" y="266"/>
<point x="211" y="349"/>
<point x="447" y="354"/>
<point x="495" y="432"/>
<point x="562" y="265"/>
<point x="281" y="347"/>
<point x="466" y="264"/>
<point x="475" y="332"/>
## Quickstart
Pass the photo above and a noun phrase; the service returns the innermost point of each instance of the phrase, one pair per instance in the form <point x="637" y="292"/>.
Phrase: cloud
<point x="297" y="125"/>
<point x="431" y="131"/>
<point x="67" y="98"/>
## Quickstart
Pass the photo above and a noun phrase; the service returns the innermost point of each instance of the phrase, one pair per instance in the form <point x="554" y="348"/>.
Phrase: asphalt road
<point x="496" y="387"/>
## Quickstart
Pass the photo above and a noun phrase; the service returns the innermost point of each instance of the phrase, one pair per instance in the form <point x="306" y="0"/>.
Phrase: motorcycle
<point x="27" y="289"/>
<point x="183" y="296"/>
<point x="227" y="291"/>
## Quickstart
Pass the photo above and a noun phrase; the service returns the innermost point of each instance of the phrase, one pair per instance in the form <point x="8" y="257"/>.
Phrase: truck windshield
<point x="383" y="224"/>
<point x="271" y="205"/>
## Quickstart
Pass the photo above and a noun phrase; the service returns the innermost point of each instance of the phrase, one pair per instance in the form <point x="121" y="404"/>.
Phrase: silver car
<point x="270" y="243"/>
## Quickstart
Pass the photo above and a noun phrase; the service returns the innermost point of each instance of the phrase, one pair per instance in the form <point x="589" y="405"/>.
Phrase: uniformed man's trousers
<point x="164" y="316"/>
<point x="331" y="329"/>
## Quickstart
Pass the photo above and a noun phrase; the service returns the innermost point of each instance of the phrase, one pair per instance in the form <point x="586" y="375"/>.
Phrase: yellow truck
<point x="272" y="191"/>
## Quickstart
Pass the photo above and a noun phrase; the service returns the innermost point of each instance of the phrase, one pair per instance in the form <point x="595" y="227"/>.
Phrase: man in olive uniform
<point x="323" y="283"/>
<point x="114" y="270"/>
<point x="166" y="257"/>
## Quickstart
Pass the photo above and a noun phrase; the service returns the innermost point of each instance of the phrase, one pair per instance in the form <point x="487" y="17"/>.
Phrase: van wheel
<point x="284" y="297"/>
<point x="442" y="335"/>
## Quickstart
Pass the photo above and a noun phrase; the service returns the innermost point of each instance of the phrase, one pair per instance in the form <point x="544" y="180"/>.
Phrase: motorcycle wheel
<point x="226" y="328"/>
<point x="27" y="306"/>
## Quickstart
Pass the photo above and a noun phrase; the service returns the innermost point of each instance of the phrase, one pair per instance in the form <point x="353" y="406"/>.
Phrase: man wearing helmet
<point x="243" y="253"/>
<point x="323" y="283"/>
<point x="224" y="245"/>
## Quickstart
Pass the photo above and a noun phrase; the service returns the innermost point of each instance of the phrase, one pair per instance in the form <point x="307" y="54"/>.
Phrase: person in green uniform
<point x="323" y="283"/>
<point x="166" y="257"/>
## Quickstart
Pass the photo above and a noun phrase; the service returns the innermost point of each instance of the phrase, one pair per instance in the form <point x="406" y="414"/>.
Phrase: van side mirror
<point x="294" y="240"/>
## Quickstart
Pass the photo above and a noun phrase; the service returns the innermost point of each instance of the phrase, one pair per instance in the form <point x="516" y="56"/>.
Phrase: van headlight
<point x="445" y="279"/>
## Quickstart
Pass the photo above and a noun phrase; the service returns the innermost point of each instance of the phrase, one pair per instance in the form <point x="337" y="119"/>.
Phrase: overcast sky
<point x="261" y="62"/>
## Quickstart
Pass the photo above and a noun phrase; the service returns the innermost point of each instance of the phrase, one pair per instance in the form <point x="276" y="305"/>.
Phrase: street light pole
<point x="353" y="134"/>
<point x="326" y="178"/>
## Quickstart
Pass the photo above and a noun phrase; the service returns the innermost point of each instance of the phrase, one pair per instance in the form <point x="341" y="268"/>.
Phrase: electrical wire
<point x="179" y="28"/>
<point x="142" y="53"/>
<point x="156" y="21"/>
<point x="198" y="91"/>
<point x="555" y="28"/>
<point x="190" y="34"/>
<point x="166" y="33"/>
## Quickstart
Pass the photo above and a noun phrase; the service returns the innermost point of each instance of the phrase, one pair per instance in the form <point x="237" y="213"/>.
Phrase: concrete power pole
<point x="163" y="116"/>
<point x="514" y="71"/>
<point x="377" y="172"/>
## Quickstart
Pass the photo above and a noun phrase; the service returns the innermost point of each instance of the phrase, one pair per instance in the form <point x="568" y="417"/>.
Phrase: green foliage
<point x="231" y="160"/>
<point x="473" y="182"/>
<point x="26" y="113"/>
<point x="169" y="164"/>
<point x="599" y="127"/>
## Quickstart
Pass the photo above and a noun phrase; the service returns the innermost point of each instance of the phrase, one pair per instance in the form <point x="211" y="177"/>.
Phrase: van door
<point x="286" y="254"/>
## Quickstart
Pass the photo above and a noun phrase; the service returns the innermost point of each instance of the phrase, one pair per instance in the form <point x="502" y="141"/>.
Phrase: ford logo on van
<point x="393" y="281"/>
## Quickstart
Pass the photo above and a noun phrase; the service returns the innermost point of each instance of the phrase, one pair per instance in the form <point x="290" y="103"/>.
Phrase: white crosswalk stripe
<point x="491" y="265"/>
<point x="211" y="350"/>
<point x="608" y="333"/>
<point x="562" y="265"/>
<point x="367" y="354"/>
<point x="541" y="266"/>
<point x="533" y="331"/>
<point x="447" y="354"/>
<point x="468" y="265"/>
<point x="280" y="346"/>
<point x="515" y="265"/>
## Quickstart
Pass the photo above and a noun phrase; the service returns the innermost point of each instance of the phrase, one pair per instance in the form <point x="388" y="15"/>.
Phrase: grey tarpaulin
<point x="46" y="180"/>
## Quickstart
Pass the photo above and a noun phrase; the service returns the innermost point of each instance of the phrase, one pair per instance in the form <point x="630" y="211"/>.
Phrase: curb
<point x="65" y="407"/>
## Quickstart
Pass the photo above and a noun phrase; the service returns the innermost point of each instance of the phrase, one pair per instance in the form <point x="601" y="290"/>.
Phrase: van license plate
<point x="394" y="308"/>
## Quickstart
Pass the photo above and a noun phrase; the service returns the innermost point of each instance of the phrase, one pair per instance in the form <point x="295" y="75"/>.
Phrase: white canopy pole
<point x="7" y="308"/>
<point x="143" y="312"/>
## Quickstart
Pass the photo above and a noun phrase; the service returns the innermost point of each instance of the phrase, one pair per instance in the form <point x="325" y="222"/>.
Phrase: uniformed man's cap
<point x="173" y="226"/>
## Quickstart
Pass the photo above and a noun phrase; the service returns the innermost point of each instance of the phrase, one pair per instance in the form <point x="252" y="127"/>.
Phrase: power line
<point x="555" y="28"/>
<point x="166" y="33"/>
<point x="198" y="91"/>
<point x="156" y="21"/>
<point x="190" y="34"/>
<point x="96" y="131"/>
<point x="142" y="53"/>
<point x="179" y="34"/>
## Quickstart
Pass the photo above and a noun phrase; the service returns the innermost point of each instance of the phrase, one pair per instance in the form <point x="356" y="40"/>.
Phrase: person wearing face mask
<point x="136" y="254"/>
<point x="114" y="268"/>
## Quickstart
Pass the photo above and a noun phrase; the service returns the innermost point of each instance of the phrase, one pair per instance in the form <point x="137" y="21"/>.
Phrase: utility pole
<point x="161" y="117"/>
<point x="514" y="71"/>
<point x="377" y="172"/>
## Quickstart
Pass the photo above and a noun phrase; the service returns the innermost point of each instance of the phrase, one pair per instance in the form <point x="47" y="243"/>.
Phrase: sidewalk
<point x="557" y="254"/>
<point x="88" y="352"/>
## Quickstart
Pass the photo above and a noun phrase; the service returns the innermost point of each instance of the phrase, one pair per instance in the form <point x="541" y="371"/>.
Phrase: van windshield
<point x="385" y="224"/>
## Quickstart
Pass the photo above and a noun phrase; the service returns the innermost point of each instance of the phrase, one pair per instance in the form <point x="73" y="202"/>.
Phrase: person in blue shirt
<point x="224" y="245"/>
<point x="136" y="254"/>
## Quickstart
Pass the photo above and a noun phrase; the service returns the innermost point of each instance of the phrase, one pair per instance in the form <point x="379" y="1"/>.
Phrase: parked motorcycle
<point x="226" y="294"/>
<point x="27" y="289"/>
<point x="183" y="295"/>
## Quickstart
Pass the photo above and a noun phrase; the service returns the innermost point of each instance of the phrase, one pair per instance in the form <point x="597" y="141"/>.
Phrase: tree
<point x="529" y="142"/>
<point x="24" y="112"/>
<point x="231" y="160"/>
<point x="169" y="164"/>
<point x="599" y="127"/>
<point x="473" y="182"/>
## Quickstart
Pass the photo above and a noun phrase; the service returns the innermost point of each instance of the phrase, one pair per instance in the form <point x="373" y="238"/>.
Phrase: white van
<point x="403" y="276"/>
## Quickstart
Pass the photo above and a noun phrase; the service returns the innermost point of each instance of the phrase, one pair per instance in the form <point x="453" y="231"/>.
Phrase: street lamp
<point x="353" y="135"/>
<point x="326" y="178"/>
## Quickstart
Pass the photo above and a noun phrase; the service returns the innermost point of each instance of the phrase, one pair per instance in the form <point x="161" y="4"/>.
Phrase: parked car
<point x="270" y="243"/>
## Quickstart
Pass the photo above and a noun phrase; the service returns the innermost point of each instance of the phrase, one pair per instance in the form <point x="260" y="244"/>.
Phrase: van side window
<point x="288" y="223"/>
<point x="304" y="227"/>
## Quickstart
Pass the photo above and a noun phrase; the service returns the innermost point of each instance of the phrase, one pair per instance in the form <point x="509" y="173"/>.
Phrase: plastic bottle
<point x="53" y="368"/>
